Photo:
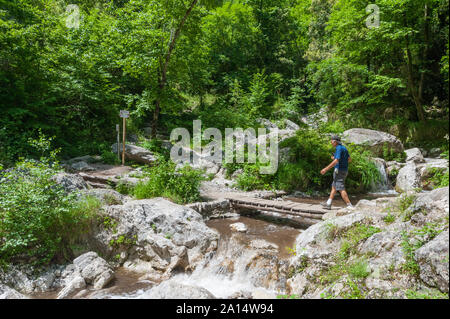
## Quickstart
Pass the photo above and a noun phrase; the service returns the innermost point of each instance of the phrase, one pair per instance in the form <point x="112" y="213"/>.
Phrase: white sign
<point x="125" y="114"/>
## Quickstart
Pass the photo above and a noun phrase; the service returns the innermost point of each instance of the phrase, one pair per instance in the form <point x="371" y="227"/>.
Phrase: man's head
<point x="335" y="140"/>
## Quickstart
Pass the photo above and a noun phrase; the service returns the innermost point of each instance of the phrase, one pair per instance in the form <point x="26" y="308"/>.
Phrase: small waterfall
<point x="382" y="186"/>
<point x="244" y="265"/>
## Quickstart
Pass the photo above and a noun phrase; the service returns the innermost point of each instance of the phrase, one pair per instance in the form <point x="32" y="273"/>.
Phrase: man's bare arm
<point x="332" y="164"/>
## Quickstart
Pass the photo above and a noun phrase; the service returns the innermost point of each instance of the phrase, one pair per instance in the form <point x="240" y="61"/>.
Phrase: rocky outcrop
<point x="9" y="293"/>
<point x="375" y="141"/>
<point x="414" y="155"/>
<point x="408" y="178"/>
<point x="153" y="236"/>
<point x="136" y="153"/>
<point x="379" y="249"/>
<point x="434" y="263"/>
<point x="70" y="182"/>
<point x="87" y="269"/>
<point x="414" y="175"/>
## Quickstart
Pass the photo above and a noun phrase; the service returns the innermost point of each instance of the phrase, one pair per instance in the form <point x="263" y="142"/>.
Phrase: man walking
<point x="341" y="159"/>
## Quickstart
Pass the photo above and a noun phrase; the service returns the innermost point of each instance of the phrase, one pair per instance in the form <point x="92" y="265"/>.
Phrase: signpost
<point x="118" y="140"/>
<point x="124" y="114"/>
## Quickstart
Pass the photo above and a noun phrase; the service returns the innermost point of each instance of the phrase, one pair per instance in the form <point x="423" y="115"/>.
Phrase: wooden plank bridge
<point x="308" y="213"/>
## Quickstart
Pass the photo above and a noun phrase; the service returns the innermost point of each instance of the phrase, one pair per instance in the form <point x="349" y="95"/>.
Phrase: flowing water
<point x="244" y="264"/>
<point x="253" y="264"/>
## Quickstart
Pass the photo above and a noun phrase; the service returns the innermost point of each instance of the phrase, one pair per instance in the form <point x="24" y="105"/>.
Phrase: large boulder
<point x="94" y="269"/>
<point x="408" y="178"/>
<point x="136" y="153"/>
<point x="70" y="182"/>
<point x="414" y="155"/>
<point x="154" y="235"/>
<point x="433" y="262"/>
<point x="375" y="141"/>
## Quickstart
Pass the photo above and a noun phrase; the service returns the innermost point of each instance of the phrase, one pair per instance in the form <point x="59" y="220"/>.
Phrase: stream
<point x="251" y="264"/>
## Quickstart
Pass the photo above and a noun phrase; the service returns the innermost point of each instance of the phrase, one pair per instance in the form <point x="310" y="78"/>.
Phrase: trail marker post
<point x="124" y="114"/>
<point x="118" y="140"/>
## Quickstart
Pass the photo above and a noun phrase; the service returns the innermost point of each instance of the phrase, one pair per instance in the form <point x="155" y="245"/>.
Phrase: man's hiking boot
<point x="326" y="206"/>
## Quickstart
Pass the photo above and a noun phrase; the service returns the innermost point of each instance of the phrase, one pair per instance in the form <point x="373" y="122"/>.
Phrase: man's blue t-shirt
<point x="341" y="155"/>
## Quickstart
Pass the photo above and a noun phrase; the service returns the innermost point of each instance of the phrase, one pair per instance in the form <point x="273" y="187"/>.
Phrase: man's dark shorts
<point x="339" y="180"/>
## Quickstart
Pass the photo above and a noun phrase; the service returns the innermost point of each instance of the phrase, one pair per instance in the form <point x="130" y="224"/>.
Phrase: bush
<point x="38" y="220"/>
<point x="310" y="153"/>
<point x="181" y="186"/>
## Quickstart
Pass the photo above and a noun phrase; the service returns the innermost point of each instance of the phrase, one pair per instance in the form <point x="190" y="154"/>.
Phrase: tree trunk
<point x="163" y="77"/>
<point x="415" y="92"/>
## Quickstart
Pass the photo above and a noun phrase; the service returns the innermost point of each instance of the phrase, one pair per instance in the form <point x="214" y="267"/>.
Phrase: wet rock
<point x="433" y="262"/>
<point x="136" y="153"/>
<point x="375" y="141"/>
<point x="9" y="293"/>
<point x="77" y="282"/>
<point x="414" y="155"/>
<point x="70" y="182"/>
<point x="210" y="209"/>
<point x="94" y="270"/>
<point x="239" y="227"/>
<point x="174" y="290"/>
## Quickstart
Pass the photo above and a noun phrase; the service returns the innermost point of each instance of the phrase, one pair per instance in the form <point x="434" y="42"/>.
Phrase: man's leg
<point x="344" y="196"/>
<point x="332" y="194"/>
<point x="327" y="204"/>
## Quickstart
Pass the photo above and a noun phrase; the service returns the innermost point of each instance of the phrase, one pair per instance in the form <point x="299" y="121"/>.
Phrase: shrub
<point x="310" y="153"/>
<point x="181" y="186"/>
<point x="38" y="220"/>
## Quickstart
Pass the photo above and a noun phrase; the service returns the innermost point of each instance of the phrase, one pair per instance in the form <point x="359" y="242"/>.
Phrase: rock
<point x="435" y="152"/>
<point x="375" y="141"/>
<point x="74" y="284"/>
<point x="107" y="196"/>
<point x="429" y="168"/>
<point x="174" y="290"/>
<point x="267" y="124"/>
<point x="155" y="233"/>
<point x="433" y="262"/>
<point x="291" y="125"/>
<point x="393" y="168"/>
<point x="214" y="208"/>
<point x="204" y="162"/>
<point x="414" y="155"/>
<point x="87" y="159"/>
<point x="82" y="166"/>
<point x="70" y="182"/>
<point x="239" y="227"/>
<point x="136" y="153"/>
<point x="408" y="178"/>
<point x="94" y="270"/>
<point x="9" y="293"/>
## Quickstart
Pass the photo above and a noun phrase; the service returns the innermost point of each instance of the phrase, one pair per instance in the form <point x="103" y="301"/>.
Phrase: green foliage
<point x="404" y="203"/>
<point x="123" y="240"/>
<point x="390" y="218"/>
<point x="439" y="178"/>
<point x="181" y="186"/>
<point x="390" y="155"/>
<point x="424" y="294"/>
<point x="38" y="220"/>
